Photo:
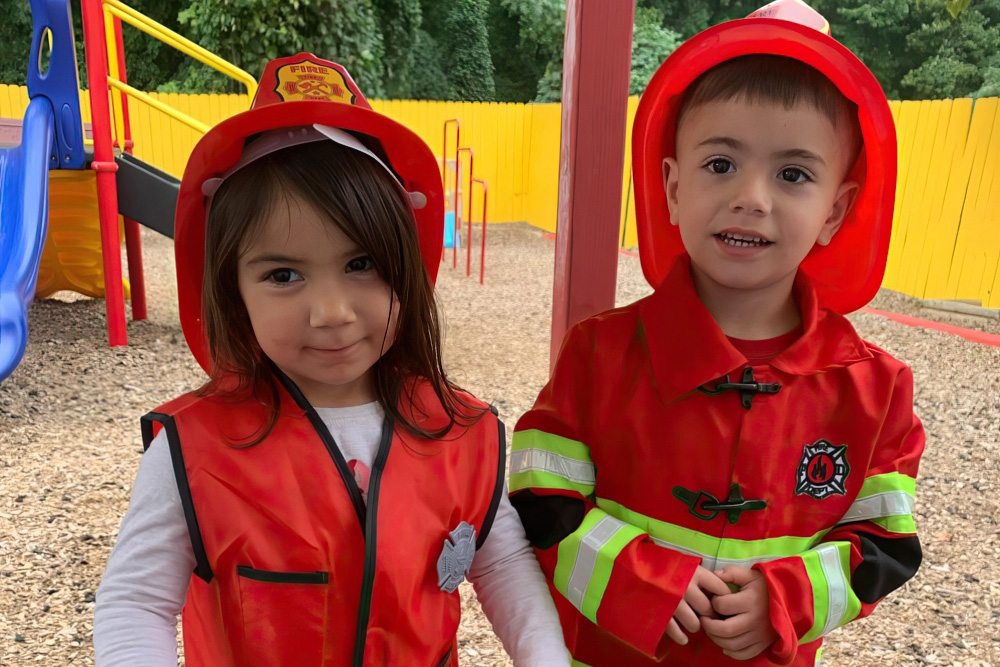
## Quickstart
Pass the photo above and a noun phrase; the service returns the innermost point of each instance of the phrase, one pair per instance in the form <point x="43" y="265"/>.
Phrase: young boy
<point x="724" y="470"/>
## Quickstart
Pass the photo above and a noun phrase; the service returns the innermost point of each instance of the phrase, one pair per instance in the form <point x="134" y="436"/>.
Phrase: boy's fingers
<point x="699" y="602"/>
<point x="726" y="628"/>
<point x="675" y="633"/>
<point x="748" y="652"/>
<point x="729" y="605"/>
<point x="741" y="576"/>
<point x="687" y="617"/>
<point x="713" y="584"/>
<point x="732" y="645"/>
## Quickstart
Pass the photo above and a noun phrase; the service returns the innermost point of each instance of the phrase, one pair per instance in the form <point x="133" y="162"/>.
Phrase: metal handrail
<point x="160" y="106"/>
<point x="179" y="42"/>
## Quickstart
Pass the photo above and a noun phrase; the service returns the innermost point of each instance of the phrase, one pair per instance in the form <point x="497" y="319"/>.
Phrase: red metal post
<point x="468" y="240"/>
<point x="444" y="171"/>
<point x="133" y="240"/>
<point x="105" y="165"/>
<point x="596" y="64"/>
<point x="482" y="252"/>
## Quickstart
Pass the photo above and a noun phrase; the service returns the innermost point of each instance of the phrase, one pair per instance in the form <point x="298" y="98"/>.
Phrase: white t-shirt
<point x="147" y="576"/>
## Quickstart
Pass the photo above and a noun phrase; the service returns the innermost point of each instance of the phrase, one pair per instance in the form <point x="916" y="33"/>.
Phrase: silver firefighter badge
<point x="822" y="471"/>
<point x="456" y="557"/>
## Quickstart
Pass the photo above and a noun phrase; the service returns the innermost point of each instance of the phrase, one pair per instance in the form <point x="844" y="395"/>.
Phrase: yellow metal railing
<point x="115" y="9"/>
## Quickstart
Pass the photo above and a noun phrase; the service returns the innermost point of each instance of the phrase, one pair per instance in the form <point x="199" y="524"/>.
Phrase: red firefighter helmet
<point x="296" y="92"/>
<point x="847" y="273"/>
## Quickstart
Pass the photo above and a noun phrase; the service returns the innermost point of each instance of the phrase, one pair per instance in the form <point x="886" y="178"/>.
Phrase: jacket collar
<point x="687" y="348"/>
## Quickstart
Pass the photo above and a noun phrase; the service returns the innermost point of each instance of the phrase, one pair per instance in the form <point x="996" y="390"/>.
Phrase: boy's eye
<point x="793" y="175"/>
<point x="283" y="276"/>
<point x="720" y="165"/>
<point x="363" y="263"/>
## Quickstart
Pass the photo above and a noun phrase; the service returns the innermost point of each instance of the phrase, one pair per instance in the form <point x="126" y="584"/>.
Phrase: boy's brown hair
<point x="776" y="80"/>
<point x="358" y="196"/>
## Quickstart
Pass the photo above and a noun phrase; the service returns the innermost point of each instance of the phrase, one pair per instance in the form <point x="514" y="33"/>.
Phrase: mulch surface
<point x="70" y="446"/>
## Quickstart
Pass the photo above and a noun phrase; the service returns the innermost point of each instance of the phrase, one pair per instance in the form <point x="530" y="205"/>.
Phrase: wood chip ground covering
<point x="70" y="445"/>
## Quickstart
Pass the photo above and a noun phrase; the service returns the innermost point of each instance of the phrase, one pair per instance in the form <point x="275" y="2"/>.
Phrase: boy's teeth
<point x="742" y="241"/>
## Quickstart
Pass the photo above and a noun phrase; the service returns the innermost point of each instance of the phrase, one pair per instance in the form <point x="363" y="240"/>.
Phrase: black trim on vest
<point x="272" y="577"/>
<point x="371" y="539"/>
<point x="446" y="657"/>
<point x="491" y="513"/>
<point x="146" y="424"/>
<point x="329" y="442"/>
<point x="202" y="567"/>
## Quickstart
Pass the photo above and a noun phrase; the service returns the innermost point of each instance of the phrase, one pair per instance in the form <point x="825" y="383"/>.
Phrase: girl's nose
<point x="330" y="308"/>
<point x="751" y="196"/>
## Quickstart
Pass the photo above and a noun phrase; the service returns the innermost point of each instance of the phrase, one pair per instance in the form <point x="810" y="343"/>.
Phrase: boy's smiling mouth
<point x="742" y="240"/>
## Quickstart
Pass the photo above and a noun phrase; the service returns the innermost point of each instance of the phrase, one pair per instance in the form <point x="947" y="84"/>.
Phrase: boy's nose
<point x="751" y="196"/>
<point x="331" y="308"/>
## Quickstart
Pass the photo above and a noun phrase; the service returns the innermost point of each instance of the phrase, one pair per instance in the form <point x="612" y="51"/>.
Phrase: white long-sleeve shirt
<point x="147" y="576"/>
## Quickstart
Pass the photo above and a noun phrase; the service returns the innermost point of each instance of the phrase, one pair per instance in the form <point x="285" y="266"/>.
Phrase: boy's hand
<point x="747" y="631"/>
<point x="695" y="603"/>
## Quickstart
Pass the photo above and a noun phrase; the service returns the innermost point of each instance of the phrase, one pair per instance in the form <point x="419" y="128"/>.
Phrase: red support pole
<point x="482" y="252"/>
<point x="105" y="165"/>
<point x="596" y="63"/>
<point x="468" y="241"/>
<point x="133" y="240"/>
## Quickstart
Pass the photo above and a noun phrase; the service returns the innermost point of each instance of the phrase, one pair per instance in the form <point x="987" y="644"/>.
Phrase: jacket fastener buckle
<point x="706" y="507"/>
<point x="747" y="386"/>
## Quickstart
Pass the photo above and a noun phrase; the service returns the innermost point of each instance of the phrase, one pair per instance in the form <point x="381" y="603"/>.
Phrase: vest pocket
<point x="283" y="615"/>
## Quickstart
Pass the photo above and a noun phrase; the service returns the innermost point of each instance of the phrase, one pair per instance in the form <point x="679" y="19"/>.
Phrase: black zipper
<point x="371" y="539"/>
<point x="331" y="445"/>
<point x="273" y="577"/>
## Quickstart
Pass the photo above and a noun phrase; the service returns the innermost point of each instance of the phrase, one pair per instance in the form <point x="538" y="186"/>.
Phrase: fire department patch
<point x="822" y="470"/>
<point x="314" y="82"/>
<point x="456" y="557"/>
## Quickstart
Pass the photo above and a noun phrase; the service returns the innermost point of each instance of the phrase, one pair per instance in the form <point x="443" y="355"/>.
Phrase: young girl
<point x="328" y="487"/>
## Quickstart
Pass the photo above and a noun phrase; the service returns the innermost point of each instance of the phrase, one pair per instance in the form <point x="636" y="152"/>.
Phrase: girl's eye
<point x="793" y="175"/>
<point x="720" y="165"/>
<point x="361" y="264"/>
<point x="283" y="276"/>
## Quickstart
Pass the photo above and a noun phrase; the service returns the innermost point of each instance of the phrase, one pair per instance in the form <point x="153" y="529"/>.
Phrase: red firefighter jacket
<point x="292" y="567"/>
<point x="655" y="447"/>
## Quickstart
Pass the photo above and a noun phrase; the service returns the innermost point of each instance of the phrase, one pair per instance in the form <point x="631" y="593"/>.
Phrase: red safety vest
<point x="292" y="567"/>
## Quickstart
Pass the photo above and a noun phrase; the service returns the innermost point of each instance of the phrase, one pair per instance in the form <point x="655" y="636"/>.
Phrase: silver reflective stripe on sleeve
<point x="890" y="503"/>
<point x="836" y="583"/>
<point x="531" y="460"/>
<point x="586" y="558"/>
<point x="713" y="563"/>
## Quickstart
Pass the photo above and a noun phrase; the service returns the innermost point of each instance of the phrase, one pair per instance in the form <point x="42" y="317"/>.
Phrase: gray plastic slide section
<point x="146" y="194"/>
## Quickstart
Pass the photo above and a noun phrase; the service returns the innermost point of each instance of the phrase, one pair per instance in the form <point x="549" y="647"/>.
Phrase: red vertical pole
<point x="468" y="240"/>
<point x="482" y="252"/>
<point x="105" y="166"/>
<point x="596" y="65"/>
<point x="133" y="241"/>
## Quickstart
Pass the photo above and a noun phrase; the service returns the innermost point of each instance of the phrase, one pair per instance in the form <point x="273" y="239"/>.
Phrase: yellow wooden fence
<point x="946" y="236"/>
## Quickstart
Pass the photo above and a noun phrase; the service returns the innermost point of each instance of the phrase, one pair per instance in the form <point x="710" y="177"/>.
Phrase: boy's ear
<point x="670" y="176"/>
<point x="841" y="205"/>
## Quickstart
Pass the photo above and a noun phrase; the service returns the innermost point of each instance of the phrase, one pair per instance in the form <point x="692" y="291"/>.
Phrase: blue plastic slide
<point x="24" y="213"/>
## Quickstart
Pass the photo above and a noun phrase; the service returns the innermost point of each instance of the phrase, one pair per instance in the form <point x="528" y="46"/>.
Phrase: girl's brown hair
<point x="359" y="197"/>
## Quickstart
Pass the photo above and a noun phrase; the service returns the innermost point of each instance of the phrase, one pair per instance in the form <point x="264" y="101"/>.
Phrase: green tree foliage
<point x="250" y="33"/>
<point x="921" y="50"/>
<point x="15" y="42"/>
<point x="467" y="52"/>
<point x="400" y="21"/>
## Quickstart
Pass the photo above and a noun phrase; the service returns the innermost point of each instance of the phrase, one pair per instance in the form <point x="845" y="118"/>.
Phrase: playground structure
<point x="66" y="201"/>
<point x="453" y="221"/>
